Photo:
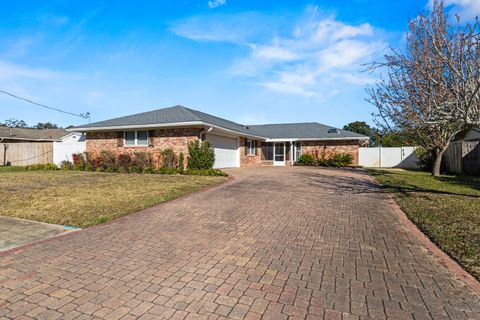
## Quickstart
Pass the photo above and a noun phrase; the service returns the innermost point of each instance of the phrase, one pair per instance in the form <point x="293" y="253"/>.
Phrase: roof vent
<point x="333" y="130"/>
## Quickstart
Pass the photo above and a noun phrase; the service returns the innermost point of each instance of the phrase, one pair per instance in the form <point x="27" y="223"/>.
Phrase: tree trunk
<point x="437" y="161"/>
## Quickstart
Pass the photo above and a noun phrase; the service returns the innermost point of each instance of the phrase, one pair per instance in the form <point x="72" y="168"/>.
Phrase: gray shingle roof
<point x="179" y="114"/>
<point x="32" y="134"/>
<point x="168" y="115"/>
<point x="309" y="130"/>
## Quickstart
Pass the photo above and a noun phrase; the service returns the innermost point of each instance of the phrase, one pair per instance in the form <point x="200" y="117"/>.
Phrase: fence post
<point x="380" y="157"/>
<point x="5" y="148"/>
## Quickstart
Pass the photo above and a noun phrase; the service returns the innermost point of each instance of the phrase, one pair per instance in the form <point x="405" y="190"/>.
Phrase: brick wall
<point x="323" y="149"/>
<point x="159" y="139"/>
<point x="252" y="160"/>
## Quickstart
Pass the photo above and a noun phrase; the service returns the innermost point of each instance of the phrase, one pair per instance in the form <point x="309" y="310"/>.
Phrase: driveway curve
<point x="276" y="243"/>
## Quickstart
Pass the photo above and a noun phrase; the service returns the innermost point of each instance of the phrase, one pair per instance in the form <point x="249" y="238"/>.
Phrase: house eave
<point x="165" y="125"/>
<point x="317" y="139"/>
<point x="29" y="139"/>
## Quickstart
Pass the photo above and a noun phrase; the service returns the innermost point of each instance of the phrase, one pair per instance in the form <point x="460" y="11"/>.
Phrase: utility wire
<point x="81" y="115"/>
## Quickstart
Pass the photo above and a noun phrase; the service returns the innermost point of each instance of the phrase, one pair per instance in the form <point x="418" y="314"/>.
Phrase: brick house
<point x="235" y="145"/>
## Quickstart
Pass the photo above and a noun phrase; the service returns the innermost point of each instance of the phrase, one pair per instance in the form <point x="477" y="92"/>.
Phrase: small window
<point x="142" y="138"/>
<point x="130" y="138"/>
<point x="251" y="147"/>
<point x="203" y="136"/>
<point x="136" y="138"/>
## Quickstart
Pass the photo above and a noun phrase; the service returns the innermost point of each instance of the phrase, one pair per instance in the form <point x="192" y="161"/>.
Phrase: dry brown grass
<point x="84" y="199"/>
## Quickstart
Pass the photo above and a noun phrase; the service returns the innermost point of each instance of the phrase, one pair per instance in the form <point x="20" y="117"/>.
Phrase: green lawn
<point x="11" y="169"/>
<point x="83" y="199"/>
<point x="447" y="209"/>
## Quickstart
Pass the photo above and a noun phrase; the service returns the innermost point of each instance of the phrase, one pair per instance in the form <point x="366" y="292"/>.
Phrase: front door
<point x="279" y="154"/>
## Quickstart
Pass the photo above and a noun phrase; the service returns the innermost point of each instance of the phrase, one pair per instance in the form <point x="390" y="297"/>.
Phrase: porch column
<point x="291" y="153"/>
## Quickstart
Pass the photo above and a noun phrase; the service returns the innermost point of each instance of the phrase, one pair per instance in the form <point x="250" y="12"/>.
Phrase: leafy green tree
<point x="364" y="128"/>
<point x="360" y="127"/>
<point x="46" y="125"/>
<point x="14" y="123"/>
<point x="395" y="139"/>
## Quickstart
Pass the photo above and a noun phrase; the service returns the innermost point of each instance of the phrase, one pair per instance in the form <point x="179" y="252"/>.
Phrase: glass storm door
<point x="279" y="154"/>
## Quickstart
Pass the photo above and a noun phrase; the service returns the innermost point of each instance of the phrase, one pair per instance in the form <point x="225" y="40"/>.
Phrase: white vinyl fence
<point x="74" y="143"/>
<point x="395" y="157"/>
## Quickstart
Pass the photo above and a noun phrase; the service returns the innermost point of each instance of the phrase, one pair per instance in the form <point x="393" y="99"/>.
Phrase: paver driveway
<point x="277" y="242"/>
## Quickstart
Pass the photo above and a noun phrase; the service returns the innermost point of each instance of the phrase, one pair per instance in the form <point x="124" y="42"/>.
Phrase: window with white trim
<point x="136" y="138"/>
<point x="251" y="147"/>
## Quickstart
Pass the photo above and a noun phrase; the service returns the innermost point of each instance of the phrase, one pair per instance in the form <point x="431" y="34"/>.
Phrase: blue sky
<point x="249" y="61"/>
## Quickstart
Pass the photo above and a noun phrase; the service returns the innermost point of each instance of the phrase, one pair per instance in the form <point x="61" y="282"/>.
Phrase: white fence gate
<point x="392" y="157"/>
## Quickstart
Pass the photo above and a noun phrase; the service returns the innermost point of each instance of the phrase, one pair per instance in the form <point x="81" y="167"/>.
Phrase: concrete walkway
<point x="277" y="243"/>
<point x="16" y="232"/>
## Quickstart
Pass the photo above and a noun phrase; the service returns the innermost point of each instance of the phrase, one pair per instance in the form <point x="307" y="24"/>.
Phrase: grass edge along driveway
<point x="446" y="209"/>
<point x="84" y="199"/>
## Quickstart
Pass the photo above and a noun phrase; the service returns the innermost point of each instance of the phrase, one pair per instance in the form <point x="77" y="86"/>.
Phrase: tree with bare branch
<point x="432" y="90"/>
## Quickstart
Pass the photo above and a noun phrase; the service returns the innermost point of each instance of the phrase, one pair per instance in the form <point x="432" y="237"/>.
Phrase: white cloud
<point x="310" y="55"/>
<point x="467" y="9"/>
<point x="214" y="28"/>
<point x="272" y="53"/>
<point x="319" y="57"/>
<point x="216" y="3"/>
<point x="9" y="71"/>
<point x="295" y="82"/>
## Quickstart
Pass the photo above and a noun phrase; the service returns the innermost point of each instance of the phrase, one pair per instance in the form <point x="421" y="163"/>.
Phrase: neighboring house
<point x="472" y="134"/>
<point x="18" y="135"/>
<point x="24" y="146"/>
<point x="235" y="145"/>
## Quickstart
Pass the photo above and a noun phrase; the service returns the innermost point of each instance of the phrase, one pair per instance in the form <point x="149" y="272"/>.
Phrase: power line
<point x="81" y="115"/>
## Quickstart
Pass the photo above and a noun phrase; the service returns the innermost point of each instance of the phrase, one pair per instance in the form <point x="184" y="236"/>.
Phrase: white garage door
<point x="226" y="151"/>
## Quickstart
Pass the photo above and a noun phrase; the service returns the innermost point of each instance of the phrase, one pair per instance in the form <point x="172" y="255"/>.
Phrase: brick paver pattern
<point x="276" y="243"/>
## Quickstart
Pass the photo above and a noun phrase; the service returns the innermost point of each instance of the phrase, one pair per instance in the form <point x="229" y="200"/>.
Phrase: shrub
<point x="206" y="172"/>
<point x="124" y="161"/>
<point x="340" y="160"/>
<point x="149" y="170"/>
<point x="141" y="160"/>
<point x="336" y="160"/>
<point x="66" y="165"/>
<point x="90" y="162"/>
<point x="78" y="161"/>
<point x="181" y="164"/>
<point x="166" y="170"/>
<point x="40" y="166"/>
<point x="306" y="160"/>
<point x="201" y="155"/>
<point x="106" y="161"/>
<point x="135" y="169"/>
<point x="169" y="159"/>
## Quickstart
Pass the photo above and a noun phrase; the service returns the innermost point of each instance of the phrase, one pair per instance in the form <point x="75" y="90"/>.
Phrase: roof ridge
<point x="211" y="115"/>
<point x="189" y="111"/>
<point x="287" y="123"/>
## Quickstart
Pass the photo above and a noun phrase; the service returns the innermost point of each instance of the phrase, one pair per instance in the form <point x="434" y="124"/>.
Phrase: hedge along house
<point x="235" y="145"/>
